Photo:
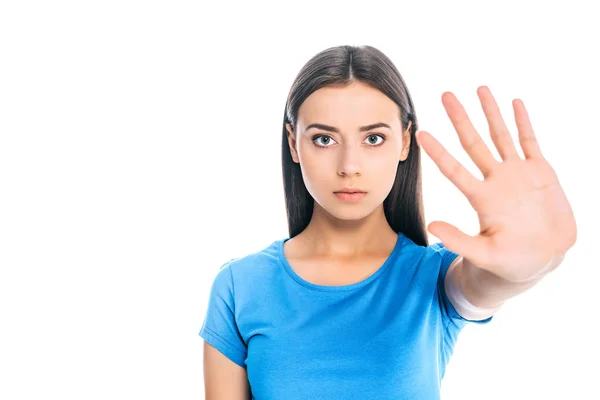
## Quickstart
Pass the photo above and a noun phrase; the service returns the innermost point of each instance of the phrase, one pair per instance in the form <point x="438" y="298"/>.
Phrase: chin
<point x="348" y="212"/>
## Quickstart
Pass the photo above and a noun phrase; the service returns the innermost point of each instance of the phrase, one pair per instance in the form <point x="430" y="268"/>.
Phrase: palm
<point x="524" y="216"/>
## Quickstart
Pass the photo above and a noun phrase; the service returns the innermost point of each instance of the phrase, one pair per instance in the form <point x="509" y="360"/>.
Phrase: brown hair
<point x="343" y="65"/>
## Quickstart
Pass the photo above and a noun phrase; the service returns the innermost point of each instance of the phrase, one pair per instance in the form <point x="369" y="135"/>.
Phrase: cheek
<point x="390" y="176"/>
<point x="382" y="163"/>
<point x="312" y="158"/>
<point x="382" y="171"/>
<point x="316" y="170"/>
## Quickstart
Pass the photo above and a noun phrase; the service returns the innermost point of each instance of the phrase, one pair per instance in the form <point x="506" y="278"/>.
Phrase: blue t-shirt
<point x="389" y="336"/>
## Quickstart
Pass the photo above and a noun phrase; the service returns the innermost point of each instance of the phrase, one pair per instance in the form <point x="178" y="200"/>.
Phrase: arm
<point x="477" y="293"/>
<point x="224" y="379"/>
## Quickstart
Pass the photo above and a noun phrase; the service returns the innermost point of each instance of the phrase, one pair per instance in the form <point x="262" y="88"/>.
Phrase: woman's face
<point x="339" y="154"/>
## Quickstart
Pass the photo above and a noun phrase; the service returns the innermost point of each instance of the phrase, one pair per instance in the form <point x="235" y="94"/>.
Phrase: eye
<point x="376" y="136"/>
<point x="328" y="139"/>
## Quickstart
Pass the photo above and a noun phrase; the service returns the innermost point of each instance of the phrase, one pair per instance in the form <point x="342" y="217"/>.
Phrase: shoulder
<point x="265" y="255"/>
<point x="435" y="253"/>
<point x="443" y="255"/>
<point x="432" y="260"/>
<point x="254" y="265"/>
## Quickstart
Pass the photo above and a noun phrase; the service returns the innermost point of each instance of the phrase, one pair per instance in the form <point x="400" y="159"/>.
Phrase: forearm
<point x="486" y="290"/>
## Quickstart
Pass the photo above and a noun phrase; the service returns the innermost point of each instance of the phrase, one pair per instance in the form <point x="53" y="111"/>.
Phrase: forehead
<point x="354" y="104"/>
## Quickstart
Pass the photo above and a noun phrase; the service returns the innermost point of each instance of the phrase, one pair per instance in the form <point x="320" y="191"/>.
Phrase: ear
<point x="405" y="142"/>
<point x="292" y="142"/>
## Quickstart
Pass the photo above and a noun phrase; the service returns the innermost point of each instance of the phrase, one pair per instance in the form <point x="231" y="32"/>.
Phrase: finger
<point x="448" y="165"/>
<point x="527" y="139"/>
<point x="498" y="130"/>
<point x="475" y="248"/>
<point x="469" y="138"/>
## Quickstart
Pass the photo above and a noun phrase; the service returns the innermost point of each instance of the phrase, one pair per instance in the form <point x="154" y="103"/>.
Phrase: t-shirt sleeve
<point x="446" y="307"/>
<point x="219" y="328"/>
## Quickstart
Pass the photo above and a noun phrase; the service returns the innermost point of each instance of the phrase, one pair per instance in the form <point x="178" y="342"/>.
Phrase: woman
<point x="355" y="304"/>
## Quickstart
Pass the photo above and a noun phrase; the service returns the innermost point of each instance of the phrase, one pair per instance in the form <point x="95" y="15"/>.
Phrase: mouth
<point x="350" y="196"/>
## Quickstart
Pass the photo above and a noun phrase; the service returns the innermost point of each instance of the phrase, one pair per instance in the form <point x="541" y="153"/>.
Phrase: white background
<point x="140" y="148"/>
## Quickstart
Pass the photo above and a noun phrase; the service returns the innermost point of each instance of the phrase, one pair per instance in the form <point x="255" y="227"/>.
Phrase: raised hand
<point x="526" y="222"/>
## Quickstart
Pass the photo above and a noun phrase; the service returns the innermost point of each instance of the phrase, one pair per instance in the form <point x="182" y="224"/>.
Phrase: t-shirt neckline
<point x="283" y="260"/>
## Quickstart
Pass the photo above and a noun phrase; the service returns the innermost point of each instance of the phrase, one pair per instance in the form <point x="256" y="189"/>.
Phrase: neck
<point x="329" y="236"/>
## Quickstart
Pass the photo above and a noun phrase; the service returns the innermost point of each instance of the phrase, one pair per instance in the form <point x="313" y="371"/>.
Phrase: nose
<point x="349" y="163"/>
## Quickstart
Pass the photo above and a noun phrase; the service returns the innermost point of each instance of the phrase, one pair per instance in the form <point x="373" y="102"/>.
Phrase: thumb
<point x="453" y="238"/>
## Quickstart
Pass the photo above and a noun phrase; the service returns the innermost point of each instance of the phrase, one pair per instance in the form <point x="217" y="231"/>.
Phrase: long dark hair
<point x="343" y="65"/>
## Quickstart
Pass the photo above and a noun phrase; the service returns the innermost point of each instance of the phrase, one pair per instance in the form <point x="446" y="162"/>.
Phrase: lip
<point x="349" y="190"/>
<point x="350" y="197"/>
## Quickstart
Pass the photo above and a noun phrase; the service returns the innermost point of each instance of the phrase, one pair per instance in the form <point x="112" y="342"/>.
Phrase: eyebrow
<point x="361" y="129"/>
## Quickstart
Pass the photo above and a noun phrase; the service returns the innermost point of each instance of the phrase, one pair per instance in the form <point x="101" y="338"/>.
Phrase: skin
<point x="347" y="241"/>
